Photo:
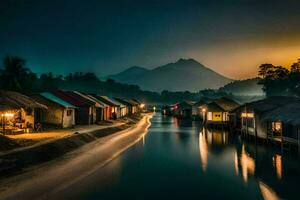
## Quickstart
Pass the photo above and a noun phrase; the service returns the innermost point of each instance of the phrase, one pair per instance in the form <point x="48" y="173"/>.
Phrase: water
<point x="180" y="160"/>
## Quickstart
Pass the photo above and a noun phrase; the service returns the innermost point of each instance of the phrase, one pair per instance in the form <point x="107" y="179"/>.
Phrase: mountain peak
<point x="187" y="60"/>
<point x="184" y="74"/>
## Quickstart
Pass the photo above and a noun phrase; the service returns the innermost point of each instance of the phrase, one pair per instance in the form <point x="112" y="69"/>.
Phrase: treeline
<point x="279" y="81"/>
<point x="15" y="76"/>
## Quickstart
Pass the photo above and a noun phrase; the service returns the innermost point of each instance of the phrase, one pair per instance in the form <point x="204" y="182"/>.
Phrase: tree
<point x="266" y="70"/>
<point x="15" y="76"/>
<point x="295" y="67"/>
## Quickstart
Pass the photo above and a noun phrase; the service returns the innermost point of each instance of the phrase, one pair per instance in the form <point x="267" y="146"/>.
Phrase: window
<point x="209" y="116"/>
<point x="69" y="112"/>
<point x="276" y="126"/>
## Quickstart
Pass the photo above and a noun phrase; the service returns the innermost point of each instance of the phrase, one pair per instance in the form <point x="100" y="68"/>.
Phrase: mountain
<point x="128" y="74"/>
<point x="185" y="74"/>
<point x="248" y="87"/>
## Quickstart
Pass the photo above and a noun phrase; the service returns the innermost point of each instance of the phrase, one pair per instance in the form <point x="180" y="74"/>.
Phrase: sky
<point x="232" y="37"/>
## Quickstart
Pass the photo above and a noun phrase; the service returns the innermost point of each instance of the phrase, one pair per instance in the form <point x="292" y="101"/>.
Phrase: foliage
<point x="277" y="80"/>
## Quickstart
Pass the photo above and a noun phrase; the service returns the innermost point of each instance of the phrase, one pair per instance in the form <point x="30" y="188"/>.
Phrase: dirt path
<point x="45" y="181"/>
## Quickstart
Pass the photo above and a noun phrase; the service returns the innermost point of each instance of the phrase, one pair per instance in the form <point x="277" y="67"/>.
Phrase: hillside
<point x="128" y="74"/>
<point x="185" y="74"/>
<point x="248" y="87"/>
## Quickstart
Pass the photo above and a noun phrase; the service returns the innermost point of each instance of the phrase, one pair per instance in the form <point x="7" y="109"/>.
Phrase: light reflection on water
<point x="180" y="159"/>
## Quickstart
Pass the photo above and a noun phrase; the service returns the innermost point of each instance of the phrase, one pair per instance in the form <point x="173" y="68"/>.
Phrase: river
<point x="178" y="159"/>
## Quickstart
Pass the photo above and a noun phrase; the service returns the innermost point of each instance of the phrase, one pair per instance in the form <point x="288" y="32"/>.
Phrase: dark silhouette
<point x="277" y="80"/>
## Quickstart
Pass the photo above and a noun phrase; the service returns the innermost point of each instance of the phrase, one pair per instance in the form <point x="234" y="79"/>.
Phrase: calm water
<point x="180" y="160"/>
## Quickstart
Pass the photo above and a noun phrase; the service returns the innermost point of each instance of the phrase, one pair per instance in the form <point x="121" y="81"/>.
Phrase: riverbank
<point x="43" y="180"/>
<point x="23" y="159"/>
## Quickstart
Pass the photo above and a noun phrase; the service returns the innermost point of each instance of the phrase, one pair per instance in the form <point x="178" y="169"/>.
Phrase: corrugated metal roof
<point x="97" y="104"/>
<point x="57" y="100"/>
<point x="112" y="101"/>
<point x="15" y="100"/>
<point x="289" y="114"/>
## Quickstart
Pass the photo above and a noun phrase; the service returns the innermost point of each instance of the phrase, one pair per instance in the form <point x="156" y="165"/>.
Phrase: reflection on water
<point x="277" y="163"/>
<point x="267" y="192"/>
<point x="203" y="150"/>
<point x="247" y="164"/>
<point x="165" y="165"/>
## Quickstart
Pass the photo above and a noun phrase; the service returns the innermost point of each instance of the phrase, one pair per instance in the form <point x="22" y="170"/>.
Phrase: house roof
<point x="56" y="100"/>
<point x="184" y="105"/>
<point x="199" y="103"/>
<point x="108" y="101"/>
<point x="117" y="103"/>
<point x="96" y="103"/>
<point x="289" y="114"/>
<point x="98" y="100"/>
<point x="14" y="100"/>
<point x="227" y="104"/>
<point x="136" y="101"/>
<point x="271" y="103"/>
<point x="73" y="98"/>
<point x="125" y="101"/>
<point x="213" y="106"/>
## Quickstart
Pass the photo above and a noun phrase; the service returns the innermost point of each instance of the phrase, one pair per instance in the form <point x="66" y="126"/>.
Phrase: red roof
<point x="73" y="98"/>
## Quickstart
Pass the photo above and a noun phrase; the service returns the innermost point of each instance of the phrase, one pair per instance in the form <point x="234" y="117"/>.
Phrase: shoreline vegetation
<point x="23" y="159"/>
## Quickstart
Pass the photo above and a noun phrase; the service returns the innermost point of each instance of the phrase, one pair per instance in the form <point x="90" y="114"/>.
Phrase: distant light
<point x="154" y="108"/>
<point x="142" y="105"/>
<point x="203" y="110"/>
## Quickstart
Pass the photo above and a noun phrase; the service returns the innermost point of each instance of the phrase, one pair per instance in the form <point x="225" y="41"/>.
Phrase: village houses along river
<point x="179" y="159"/>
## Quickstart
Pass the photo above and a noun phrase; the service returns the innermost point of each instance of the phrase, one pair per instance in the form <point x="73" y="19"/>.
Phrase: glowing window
<point x="276" y="126"/>
<point x="209" y="116"/>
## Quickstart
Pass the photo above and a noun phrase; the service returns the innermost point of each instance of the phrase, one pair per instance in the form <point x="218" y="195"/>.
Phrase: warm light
<point x="277" y="163"/>
<point x="248" y="115"/>
<point x="267" y="192"/>
<point x="203" y="110"/>
<point x="276" y="126"/>
<point x="142" y="105"/>
<point x="247" y="164"/>
<point x="8" y="115"/>
<point x="203" y="148"/>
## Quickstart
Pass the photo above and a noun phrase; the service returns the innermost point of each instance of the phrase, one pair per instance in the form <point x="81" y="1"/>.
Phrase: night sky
<point x="231" y="37"/>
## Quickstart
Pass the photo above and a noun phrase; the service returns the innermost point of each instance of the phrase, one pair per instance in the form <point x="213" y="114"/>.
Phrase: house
<point x="115" y="106"/>
<point x="139" y="105"/>
<point x="169" y="110"/>
<point x="85" y="109"/>
<point x="253" y="113"/>
<point x="106" y="109"/>
<point x="283" y="123"/>
<point x="123" y="108"/>
<point x="59" y="113"/>
<point x="217" y="111"/>
<point x="19" y="113"/>
<point x="98" y="108"/>
<point x="132" y="106"/>
<point x="197" y="111"/>
<point x="135" y="105"/>
<point x="183" y="110"/>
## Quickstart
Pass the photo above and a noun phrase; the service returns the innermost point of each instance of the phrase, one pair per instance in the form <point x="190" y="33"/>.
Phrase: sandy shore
<point x="44" y="181"/>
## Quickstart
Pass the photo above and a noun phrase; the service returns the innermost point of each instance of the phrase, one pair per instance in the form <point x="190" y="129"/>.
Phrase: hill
<point x="128" y="74"/>
<point x="248" y="87"/>
<point x="185" y="74"/>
